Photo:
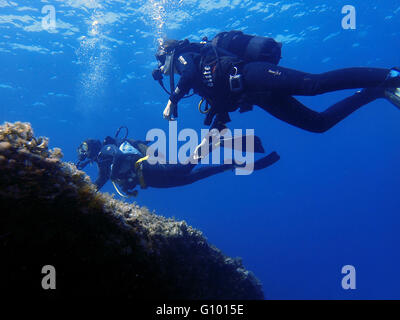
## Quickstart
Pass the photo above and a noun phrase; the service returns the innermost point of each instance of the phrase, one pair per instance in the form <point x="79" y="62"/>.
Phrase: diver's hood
<point x="166" y="58"/>
<point x="166" y="55"/>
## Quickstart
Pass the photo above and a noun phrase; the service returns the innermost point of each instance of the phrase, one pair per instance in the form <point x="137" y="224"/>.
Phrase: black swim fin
<point x="262" y="163"/>
<point x="238" y="142"/>
<point x="266" y="161"/>
<point x="241" y="142"/>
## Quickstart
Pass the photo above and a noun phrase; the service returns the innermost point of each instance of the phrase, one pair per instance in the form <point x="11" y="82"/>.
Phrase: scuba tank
<point x="223" y="58"/>
<point x="246" y="47"/>
<point x="249" y="48"/>
<point x="220" y="70"/>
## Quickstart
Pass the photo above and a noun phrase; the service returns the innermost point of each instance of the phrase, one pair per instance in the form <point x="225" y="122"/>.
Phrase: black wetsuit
<point x="120" y="167"/>
<point x="112" y="163"/>
<point x="272" y="88"/>
<point x="175" y="175"/>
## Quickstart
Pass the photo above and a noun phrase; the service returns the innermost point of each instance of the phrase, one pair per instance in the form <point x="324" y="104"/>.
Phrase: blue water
<point x="332" y="199"/>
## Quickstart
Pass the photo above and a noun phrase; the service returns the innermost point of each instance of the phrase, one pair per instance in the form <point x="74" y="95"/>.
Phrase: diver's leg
<point x="203" y="173"/>
<point x="179" y="168"/>
<point x="168" y="176"/>
<point x="290" y="110"/>
<point x="165" y="175"/>
<point x="262" y="77"/>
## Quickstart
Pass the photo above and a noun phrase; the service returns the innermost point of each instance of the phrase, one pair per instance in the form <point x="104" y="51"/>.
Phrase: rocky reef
<point x="51" y="214"/>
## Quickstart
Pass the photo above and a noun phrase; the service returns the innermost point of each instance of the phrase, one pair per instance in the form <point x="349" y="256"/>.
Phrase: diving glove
<point x="171" y="111"/>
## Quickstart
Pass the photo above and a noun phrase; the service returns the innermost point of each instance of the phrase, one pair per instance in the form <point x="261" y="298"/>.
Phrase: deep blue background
<point x="332" y="200"/>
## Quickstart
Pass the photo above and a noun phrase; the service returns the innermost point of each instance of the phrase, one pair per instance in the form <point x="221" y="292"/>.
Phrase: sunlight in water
<point x="159" y="10"/>
<point x="94" y="57"/>
<point x="158" y="15"/>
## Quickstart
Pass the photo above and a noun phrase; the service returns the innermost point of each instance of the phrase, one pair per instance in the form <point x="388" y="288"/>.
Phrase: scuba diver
<point x="124" y="162"/>
<point x="237" y="71"/>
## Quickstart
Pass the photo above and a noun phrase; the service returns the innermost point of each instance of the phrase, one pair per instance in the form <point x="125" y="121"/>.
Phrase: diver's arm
<point x="80" y="165"/>
<point x="171" y="111"/>
<point x="186" y="67"/>
<point x="217" y="129"/>
<point x="104" y="175"/>
<point x="205" y="146"/>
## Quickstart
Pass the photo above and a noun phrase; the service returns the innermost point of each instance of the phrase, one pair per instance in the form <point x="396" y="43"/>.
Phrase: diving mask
<point x="83" y="151"/>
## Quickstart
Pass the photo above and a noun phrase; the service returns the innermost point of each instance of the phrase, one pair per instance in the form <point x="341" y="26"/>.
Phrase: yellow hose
<point x="119" y="192"/>
<point x="202" y="111"/>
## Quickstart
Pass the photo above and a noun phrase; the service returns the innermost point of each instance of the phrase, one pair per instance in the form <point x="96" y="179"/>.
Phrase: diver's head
<point x="89" y="149"/>
<point x="167" y="46"/>
<point x="164" y="54"/>
<point x="165" y="51"/>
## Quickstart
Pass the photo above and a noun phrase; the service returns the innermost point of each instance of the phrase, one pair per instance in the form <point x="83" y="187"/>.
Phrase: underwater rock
<point x="51" y="214"/>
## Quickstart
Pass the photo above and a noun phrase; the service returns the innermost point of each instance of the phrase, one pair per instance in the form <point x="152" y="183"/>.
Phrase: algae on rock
<point x="51" y="214"/>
